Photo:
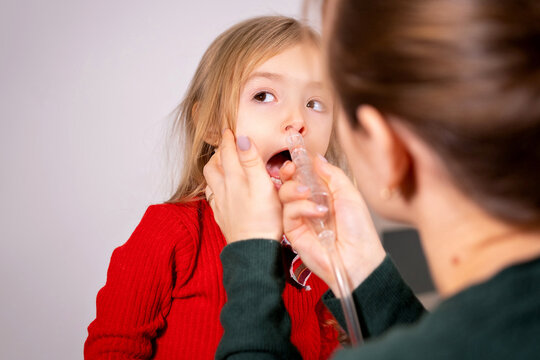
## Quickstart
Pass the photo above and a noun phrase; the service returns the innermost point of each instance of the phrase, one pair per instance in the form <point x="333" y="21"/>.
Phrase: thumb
<point x="338" y="182"/>
<point x="249" y="158"/>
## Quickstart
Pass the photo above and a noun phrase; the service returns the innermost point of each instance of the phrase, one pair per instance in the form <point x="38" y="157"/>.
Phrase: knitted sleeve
<point x="133" y="304"/>
<point x="255" y="321"/>
<point x="258" y="327"/>
<point x="382" y="301"/>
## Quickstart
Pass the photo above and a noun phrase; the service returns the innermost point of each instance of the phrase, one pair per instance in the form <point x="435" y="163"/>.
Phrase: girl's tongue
<point x="274" y="164"/>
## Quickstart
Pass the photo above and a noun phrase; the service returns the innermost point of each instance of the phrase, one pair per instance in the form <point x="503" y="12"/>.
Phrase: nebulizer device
<point x="324" y="227"/>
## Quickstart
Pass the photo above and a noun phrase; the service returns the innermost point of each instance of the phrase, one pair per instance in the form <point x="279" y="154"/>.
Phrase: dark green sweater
<point x="498" y="319"/>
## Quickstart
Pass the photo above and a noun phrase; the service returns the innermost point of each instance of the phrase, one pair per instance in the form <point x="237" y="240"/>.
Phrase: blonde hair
<point x="212" y="98"/>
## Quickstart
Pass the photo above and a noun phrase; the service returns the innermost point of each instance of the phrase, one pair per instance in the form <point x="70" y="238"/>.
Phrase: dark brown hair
<point x="462" y="74"/>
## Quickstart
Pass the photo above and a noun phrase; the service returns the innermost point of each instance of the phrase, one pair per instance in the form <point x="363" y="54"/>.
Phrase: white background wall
<point x="85" y="90"/>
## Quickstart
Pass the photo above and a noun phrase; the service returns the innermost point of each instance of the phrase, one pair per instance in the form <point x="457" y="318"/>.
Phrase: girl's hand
<point x="240" y="192"/>
<point x="357" y="240"/>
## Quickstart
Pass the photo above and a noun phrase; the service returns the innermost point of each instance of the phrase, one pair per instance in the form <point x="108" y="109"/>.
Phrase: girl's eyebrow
<point x="267" y="75"/>
<point x="277" y="77"/>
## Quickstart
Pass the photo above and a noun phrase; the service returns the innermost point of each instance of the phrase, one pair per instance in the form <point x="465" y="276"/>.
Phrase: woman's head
<point x="215" y="94"/>
<point x="462" y="75"/>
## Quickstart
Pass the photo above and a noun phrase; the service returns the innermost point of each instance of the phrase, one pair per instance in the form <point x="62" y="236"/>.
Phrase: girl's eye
<point x="264" y="96"/>
<point x="315" y="105"/>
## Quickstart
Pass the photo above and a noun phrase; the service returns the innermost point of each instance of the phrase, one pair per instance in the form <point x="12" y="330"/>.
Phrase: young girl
<point x="164" y="289"/>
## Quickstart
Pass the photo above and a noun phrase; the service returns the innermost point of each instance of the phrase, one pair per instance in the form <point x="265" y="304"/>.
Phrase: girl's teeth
<point x="276" y="181"/>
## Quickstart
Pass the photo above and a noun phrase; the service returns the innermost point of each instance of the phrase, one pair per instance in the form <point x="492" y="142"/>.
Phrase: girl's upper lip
<point x="275" y="153"/>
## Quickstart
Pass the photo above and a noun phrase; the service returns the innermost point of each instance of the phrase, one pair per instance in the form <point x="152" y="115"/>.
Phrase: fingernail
<point x="302" y="188"/>
<point x="243" y="143"/>
<point x="321" y="208"/>
<point x="285" y="164"/>
<point x="322" y="158"/>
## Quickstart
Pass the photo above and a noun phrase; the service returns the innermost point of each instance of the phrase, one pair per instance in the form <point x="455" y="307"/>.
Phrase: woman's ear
<point x="389" y="156"/>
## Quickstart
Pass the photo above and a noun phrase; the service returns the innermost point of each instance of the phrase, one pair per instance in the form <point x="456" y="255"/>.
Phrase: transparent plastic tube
<point x="325" y="229"/>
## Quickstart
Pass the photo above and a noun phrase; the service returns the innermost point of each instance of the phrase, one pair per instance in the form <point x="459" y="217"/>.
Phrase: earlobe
<point x="212" y="136"/>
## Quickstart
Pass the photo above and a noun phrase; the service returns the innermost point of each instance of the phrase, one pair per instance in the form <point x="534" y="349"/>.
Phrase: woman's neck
<point x="465" y="246"/>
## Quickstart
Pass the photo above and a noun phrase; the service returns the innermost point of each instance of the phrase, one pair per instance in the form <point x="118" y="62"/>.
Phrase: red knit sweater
<point x="164" y="293"/>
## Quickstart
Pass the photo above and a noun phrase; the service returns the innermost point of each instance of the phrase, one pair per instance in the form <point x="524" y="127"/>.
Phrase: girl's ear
<point x="212" y="136"/>
<point x="195" y="111"/>
<point x="389" y="156"/>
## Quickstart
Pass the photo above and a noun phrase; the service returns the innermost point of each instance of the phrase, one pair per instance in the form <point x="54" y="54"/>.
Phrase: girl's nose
<point x="295" y="122"/>
<point x="297" y="127"/>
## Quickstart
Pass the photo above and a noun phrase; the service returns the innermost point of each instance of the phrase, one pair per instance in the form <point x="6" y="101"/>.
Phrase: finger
<point x="210" y="198"/>
<point x="303" y="209"/>
<point x="228" y="154"/>
<point x="338" y="182"/>
<point x="292" y="191"/>
<point x="287" y="171"/>
<point x="297" y="212"/>
<point x="215" y="163"/>
<point x="250" y="160"/>
<point x="217" y="156"/>
<point x="209" y="194"/>
<point x="213" y="174"/>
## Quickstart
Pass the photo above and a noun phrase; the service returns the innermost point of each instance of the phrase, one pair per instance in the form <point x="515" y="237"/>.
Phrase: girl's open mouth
<point x="274" y="164"/>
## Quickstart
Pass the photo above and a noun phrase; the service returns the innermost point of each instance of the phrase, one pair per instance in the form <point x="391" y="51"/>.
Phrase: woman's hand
<point x="357" y="240"/>
<point x="240" y="192"/>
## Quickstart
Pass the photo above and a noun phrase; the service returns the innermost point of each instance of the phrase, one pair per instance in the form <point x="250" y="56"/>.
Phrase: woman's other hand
<point x="357" y="238"/>
<point x="240" y="192"/>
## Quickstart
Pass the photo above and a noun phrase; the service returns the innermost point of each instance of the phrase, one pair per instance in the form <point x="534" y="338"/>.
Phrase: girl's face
<point x="286" y="91"/>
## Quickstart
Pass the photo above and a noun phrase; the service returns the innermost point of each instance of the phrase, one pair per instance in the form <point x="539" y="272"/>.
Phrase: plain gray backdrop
<point x="85" y="92"/>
